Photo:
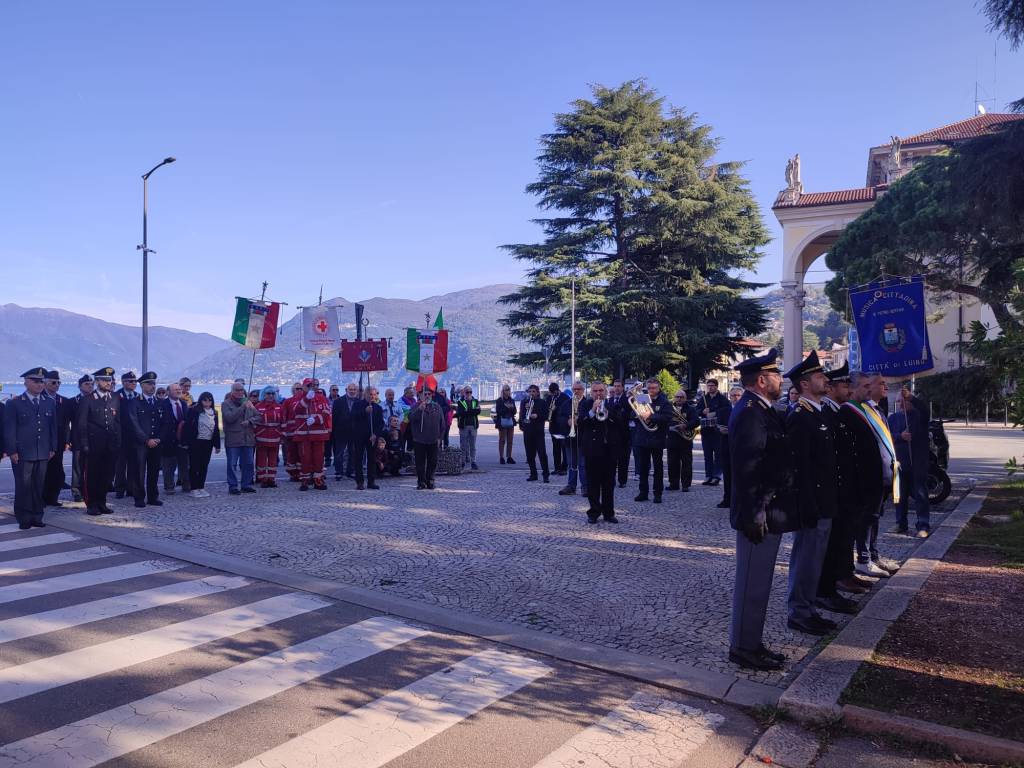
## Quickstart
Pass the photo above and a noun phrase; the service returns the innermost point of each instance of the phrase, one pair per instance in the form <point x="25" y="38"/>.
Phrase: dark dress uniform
<point x="812" y="444"/>
<point x="76" y="454"/>
<point x="761" y="511"/>
<point x="126" y="469"/>
<point x="680" y="450"/>
<point x="533" y="436"/>
<point x="559" y="406"/>
<point x="99" y="431"/>
<point x="145" y="418"/>
<point x="649" y="447"/>
<point x="55" y="477"/>
<point x="30" y="430"/>
<point x="600" y="442"/>
<point x="860" y="501"/>
<point x="719" y="410"/>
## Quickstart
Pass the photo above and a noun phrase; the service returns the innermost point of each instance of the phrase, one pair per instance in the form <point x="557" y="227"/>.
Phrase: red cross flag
<point x="319" y="329"/>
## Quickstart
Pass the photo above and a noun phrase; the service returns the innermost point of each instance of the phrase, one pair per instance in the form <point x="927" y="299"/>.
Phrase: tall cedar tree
<point x="654" y="231"/>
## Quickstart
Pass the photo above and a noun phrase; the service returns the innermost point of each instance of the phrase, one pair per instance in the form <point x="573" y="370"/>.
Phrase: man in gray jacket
<point x="240" y="418"/>
<point x="30" y="439"/>
<point x="427" y="425"/>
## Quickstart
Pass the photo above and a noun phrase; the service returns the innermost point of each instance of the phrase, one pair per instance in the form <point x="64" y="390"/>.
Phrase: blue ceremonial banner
<point x="891" y="327"/>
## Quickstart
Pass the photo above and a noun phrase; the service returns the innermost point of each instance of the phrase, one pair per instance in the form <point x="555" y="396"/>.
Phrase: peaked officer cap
<point x="84" y="379"/>
<point x="104" y="373"/>
<point x="38" y="373"/>
<point x="129" y="376"/>
<point x="805" y="367"/>
<point x="148" y="376"/>
<point x="839" y="374"/>
<point x="53" y="375"/>
<point x="766" y="363"/>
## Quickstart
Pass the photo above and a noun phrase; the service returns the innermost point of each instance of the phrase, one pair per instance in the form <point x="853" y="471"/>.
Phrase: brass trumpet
<point x="600" y="411"/>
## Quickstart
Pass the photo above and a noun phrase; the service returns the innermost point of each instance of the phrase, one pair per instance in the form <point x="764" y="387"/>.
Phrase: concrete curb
<point x="814" y="695"/>
<point x="966" y="744"/>
<point x="665" y="674"/>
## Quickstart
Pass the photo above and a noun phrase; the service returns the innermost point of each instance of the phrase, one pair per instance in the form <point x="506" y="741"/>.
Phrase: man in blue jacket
<point x="909" y="428"/>
<point x="30" y="439"/>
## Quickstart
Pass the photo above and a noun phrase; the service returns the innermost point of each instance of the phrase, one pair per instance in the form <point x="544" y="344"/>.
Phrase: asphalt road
<point x="114" y="656"/>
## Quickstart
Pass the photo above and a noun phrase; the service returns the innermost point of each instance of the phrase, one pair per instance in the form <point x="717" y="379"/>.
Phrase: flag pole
<point x="318" y="303"/>
<point x="252" y="366"/>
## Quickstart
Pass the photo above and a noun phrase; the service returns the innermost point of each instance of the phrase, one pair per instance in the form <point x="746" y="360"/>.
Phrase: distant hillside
<point x="76" y="344"/>
<point x="816" y="312"/>
<point x="479" y="345"/>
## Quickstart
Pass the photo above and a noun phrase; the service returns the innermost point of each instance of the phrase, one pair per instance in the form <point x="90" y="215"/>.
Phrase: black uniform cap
<point x="104" y="373"/>
<point x="839" y="374"/>
<point x="84" y="379"/>
<point x="129" y="376"/>
<point x="38" y="373"/>
<point x="766" y="363"/>
<point x="53" y="375"/>
<point x="147" y="376"/>
<point x="805" y="367"/>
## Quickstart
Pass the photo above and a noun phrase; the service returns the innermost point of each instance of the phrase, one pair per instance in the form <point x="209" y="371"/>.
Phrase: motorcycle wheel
<point x="939" y="485"/>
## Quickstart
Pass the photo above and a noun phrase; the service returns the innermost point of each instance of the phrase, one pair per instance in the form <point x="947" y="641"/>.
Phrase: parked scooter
<point x="939" y="484"/>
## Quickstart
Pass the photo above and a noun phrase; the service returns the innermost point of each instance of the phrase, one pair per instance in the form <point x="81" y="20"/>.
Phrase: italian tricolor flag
<point x="255" y="323"/>
<point x="426" y="351"/>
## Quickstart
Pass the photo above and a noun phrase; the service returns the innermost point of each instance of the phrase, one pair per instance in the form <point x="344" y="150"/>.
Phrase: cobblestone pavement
<point x="493" y="545"/>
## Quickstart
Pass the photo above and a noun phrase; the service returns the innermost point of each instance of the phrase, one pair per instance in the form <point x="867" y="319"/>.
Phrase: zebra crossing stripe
<point x="384" y="729"/>
<point x="54" y="671"/>
<point x="27" y="589"/>
<point x="8" y="567"/>
<point x="27" y="542"/>
<point x="133" y="726"/>
<point x="9" y="528"/>
<point x="118" y="605"/>
<point x="645" y="730"/>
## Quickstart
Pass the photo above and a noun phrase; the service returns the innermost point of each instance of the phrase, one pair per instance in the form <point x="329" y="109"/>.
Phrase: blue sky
<point x="382" y="149"/>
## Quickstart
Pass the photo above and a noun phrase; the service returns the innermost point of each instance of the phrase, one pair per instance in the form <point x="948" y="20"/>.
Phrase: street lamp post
<point x="145" y="263"/>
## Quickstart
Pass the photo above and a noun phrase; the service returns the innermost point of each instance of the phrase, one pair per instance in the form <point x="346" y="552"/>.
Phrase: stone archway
<point x="808" y="231"/>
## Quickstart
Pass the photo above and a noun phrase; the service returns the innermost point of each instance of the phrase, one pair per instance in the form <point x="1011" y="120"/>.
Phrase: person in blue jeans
<point x="240" y="417"/>
<point x="909" y="427"/>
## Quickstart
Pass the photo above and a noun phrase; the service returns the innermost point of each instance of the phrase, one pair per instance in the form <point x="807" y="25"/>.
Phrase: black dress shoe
<point x="106" y="510"/>
<point x="24" y="526"/>
<point x="671" y="487"/>
<point x="501" y="460"/>
<point x="510" y="460"/>
<point x="723" y="504"/>
<point x="93" y="512"/>
<point x="234" y="492"/>
<point x="714" y="481"/>
<point x="430" y="485"/>
<point x="373" y="487"/>
<point x="641" y="497"/>
<point x="685" y="489"/>
<point x="155" y="503"/>
<point x="567" y="491"/>
<point x="592" y="519"/>
<point x="546" y="479"/>
<point x="37" y="524"/>
<point x="359" y="486"/>
<point x="613" y="519"/>
<point x="657" y="499"/>
<point x="809" y="627"/>
<point x="765" y="650"/>
<point x="531" y="478"/>
<point x="828" y="624"/>
<point x="140" y="505"/>
<point x="754" y="660"/>
<point x="708" y="482"/>
<point x="423" y="486"/>
<point x="248" y="490"/>
<point x="838" y="604"/>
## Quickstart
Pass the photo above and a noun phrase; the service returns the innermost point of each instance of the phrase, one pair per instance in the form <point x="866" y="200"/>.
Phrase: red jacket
<point x="269" y="432"/>
<point x="319" y="408"/>
<point x="288" y="413"/>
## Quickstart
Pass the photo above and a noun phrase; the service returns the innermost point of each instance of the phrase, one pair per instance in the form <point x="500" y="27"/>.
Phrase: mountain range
<point x="479" y="345"/>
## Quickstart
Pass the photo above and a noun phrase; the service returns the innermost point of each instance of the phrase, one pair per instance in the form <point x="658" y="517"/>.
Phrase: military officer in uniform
<point x="814" y="470"/>
<point x="30" y="439"/>
<point x="85" y="385"/>
<point x="125" y="468"/>
<point x="762" y="507"/>
<point x="55" y="477"/>
<point x="99" y="432"/>
<point x="145" y="418"/>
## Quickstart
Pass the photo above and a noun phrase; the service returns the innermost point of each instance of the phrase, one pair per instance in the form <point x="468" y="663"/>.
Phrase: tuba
<point x="640" y="402"/>
<point x="679" y="418"/>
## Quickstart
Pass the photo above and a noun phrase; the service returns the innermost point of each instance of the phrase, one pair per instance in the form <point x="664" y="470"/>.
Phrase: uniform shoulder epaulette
<point x="749" y="403"/>
<point x="805" y="406"/>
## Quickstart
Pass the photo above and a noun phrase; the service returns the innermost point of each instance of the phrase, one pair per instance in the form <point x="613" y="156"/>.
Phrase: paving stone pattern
<point x="493" y="545"/>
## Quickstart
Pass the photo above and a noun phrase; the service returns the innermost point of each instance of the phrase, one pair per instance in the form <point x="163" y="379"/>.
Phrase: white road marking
<point x="27" y="542"/>
<point x="118" y="605"/>
<point x="9" y="528"/>
<point x="384" y="729"/>
<point x="645" y="730"/>
<point x="56" y="584"/>
<point x="8" y="567"/>
<point x="133" y="726"/>
<point x="44" y="674"/>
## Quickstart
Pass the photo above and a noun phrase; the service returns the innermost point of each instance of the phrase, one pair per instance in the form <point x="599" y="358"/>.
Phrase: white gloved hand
<point x="311" y="394"/>
<point x="310" y="420"/>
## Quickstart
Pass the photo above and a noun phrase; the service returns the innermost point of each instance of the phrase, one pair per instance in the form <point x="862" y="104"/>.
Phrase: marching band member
<point x="533" y="414"/>
<point x="649" y="441"/>
<point x="599" y="436"/>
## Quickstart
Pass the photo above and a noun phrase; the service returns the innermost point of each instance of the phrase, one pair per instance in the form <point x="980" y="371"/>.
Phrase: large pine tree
<point x="655" y="232"/>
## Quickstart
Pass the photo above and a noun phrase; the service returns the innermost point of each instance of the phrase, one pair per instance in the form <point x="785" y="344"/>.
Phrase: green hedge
<point x="963" y="392"/>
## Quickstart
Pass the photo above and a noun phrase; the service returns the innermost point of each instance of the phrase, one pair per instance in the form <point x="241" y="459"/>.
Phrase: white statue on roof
<point x="794" y="187"/>
<point x="892" y="171"/>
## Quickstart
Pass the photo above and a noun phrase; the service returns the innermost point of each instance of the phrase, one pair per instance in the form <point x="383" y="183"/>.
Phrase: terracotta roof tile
<point x="860" y="195"/>
<point x="962" y="130"/>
